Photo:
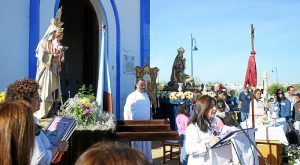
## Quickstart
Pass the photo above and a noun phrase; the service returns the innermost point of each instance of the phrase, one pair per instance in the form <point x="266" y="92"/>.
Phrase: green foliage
<point x="273" y="87"/>
<point x="83" y="90"/>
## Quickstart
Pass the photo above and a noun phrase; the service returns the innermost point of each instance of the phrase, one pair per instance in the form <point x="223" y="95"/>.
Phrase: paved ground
<point x="157" y="154"/>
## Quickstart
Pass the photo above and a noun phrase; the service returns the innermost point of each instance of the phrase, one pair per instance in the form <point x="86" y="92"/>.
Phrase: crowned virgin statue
<point x="178" y="68"/>
<point x="50" y="55"/>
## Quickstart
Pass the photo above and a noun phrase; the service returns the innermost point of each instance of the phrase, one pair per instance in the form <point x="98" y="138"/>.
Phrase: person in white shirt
<point x="137" y="107"/>
<point x="291" y="95"/>
<point x="201" y="131"/>
<point x="258" y="104"/>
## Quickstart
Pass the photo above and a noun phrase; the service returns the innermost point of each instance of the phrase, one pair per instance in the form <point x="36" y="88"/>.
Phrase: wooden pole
<point x="252" y="108"/>
<point x="252" y="37"/>
<point x="252" y="96"/>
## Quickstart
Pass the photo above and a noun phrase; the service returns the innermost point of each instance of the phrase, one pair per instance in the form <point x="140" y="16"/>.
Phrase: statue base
<point x="174" y="87"/>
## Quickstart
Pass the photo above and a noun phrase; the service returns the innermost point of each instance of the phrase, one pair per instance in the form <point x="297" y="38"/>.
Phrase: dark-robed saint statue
<point x="178" y="68"/>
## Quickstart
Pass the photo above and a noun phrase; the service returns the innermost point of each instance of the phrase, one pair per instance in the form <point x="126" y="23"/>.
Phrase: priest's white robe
<point x="137" y="107"/>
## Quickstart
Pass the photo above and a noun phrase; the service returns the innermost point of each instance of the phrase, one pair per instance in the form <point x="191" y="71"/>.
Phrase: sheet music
<point x="224" y="138"/>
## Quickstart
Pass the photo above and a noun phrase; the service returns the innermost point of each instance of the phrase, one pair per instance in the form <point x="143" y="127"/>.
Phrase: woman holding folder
<point x="201" y="132"/>
<point x="27" y="90"/>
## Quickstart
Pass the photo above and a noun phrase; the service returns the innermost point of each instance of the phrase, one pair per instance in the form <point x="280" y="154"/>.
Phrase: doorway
<point x="81" y="35"/>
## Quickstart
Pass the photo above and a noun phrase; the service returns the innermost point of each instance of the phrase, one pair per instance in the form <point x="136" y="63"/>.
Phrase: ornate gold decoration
<point x="56" y="21"/>
<point x="145" y="73"/>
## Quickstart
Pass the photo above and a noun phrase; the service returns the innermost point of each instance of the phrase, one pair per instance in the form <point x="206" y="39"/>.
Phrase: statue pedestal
<point x="168" y="109"/>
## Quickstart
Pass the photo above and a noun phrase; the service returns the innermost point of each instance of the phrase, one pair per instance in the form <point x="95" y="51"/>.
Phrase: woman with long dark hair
<point x="283" y="104"/>
<point x="201" y="131"/>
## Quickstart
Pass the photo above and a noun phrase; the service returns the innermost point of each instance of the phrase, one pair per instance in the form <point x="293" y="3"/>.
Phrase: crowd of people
<point x="211" y="117"/>
<point x="199" y="125"/>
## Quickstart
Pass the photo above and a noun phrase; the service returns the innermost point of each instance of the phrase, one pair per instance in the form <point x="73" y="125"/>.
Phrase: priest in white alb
<point x="137" y="107"/>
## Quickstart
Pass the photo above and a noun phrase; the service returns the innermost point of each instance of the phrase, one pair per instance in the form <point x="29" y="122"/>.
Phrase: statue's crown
<point x="180" y="50"/>
<point x="56" y="21"/>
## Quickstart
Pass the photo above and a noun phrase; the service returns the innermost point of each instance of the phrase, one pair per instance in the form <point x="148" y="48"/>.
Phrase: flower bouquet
<point x="2" y="97"/>
<point x="86" y="111"/>
<point x="174" y="96"/>
<point x="181" y="95"/>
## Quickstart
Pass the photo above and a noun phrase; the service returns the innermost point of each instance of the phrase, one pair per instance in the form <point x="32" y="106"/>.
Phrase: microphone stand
<point x="251" y="142"/>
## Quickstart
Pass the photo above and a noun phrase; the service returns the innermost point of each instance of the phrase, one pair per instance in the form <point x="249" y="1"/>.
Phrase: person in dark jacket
<point x="283" y="104"/>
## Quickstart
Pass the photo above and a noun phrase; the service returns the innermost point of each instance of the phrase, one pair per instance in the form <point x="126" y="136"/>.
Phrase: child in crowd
<point x="182" y="120"/>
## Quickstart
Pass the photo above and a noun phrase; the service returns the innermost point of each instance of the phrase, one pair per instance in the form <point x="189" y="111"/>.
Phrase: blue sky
<point x="222" y="33"/>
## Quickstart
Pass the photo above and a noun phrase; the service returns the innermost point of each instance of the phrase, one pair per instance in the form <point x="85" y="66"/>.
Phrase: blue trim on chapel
<point x="56" y="6"/>
<point x="34" y="28"/>
<point x="118" y="59"/>
<point x="145" y="32"/>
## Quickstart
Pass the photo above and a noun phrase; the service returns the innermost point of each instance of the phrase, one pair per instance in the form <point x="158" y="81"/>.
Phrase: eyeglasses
<point x="279" y="93"/>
